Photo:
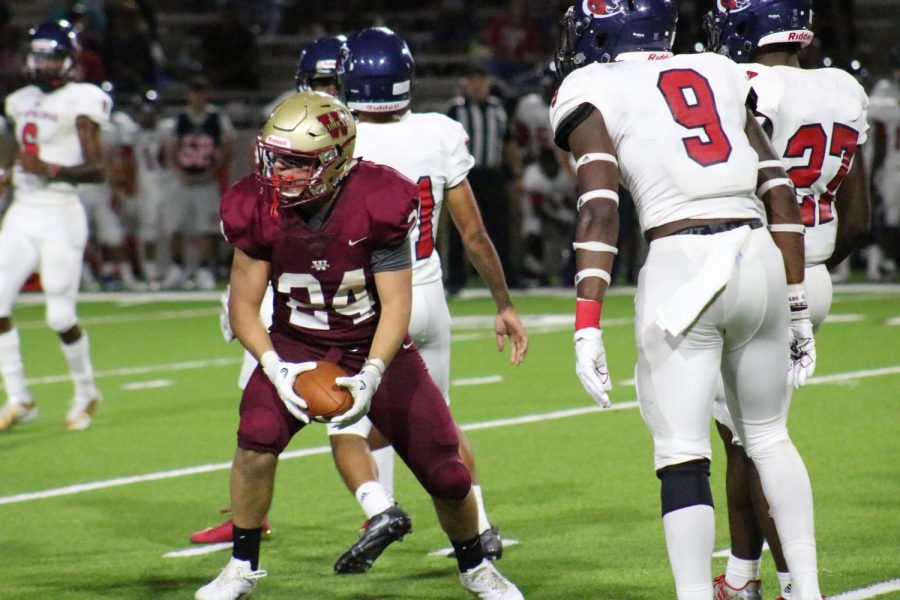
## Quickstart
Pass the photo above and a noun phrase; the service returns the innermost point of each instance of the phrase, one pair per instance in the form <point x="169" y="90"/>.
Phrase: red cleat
<point x="221" y="533"/>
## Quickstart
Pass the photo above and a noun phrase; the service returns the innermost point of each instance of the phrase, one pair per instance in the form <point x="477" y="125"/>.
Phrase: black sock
<point x="246" y="545"/>
<point x="468" y="553"/>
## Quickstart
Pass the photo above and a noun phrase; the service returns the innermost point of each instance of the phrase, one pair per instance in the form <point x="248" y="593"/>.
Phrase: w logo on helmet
<point x="604" y="8"/>
<point x="334" y="122"/>
<point x="733" y="5"/>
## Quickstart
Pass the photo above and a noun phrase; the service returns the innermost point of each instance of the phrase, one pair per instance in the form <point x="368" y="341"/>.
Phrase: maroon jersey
<point x="324" y="286"/>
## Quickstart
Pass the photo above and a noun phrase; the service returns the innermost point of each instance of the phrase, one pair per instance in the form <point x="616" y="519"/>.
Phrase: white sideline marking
<point x="877" y="589"/>
<point x="182" y="366"/>
<point x="478" y="380"/>
<point x="199" y="550"/>
<point x="840" y="377"/>
<point x="116" y="319"/>
<point x="446" y="551"/>
<point x="893" y="321"/>
<point x="845" y="318"/>
<point x="553" y="415"/>
<point x="147" y="385"/>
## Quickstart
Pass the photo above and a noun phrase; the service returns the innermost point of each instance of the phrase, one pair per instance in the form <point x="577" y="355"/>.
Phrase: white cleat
<point x="236" y="581"/>
<point x="17" y="412"/>
<point x="486" y="582"/>
<point x="80" y="414"/>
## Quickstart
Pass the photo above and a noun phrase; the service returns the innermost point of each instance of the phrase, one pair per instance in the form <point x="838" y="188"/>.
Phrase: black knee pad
<point x="450" y="480"/>
<point x="684" y="485"/>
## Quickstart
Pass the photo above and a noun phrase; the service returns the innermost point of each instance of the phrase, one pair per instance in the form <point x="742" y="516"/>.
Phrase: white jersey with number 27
<point x="818" y="119"/>
<point x="432" y="150"/>
<point x="678" y="129"/>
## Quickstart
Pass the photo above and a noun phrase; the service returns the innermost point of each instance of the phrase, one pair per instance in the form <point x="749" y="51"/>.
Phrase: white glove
<point x="225" y="319"/>
<point x="803" y="352"/>
<point x="590" y="365"/>
<point x="803" y="344"/>
<point x="282" y="375"/>
<point x="362" y="387"/>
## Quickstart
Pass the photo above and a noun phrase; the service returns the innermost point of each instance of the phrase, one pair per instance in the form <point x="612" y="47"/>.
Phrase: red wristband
<point x="53" y="171"/>
<point x="587" y="314"/>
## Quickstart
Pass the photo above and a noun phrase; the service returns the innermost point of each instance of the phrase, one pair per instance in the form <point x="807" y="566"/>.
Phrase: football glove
<point x="225" y="319"/>
<point x="803" y="344"/>
<point x="282" y="375"/>
<point x="362" y="387"/>
<point x="803" y="352"/>
<point x="590" y="365"/>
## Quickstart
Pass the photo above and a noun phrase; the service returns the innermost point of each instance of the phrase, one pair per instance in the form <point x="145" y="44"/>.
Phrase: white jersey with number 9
<point x="681" y="145"/>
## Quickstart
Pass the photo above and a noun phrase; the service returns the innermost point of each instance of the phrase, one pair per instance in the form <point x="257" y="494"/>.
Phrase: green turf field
<point x="575" y="488"/>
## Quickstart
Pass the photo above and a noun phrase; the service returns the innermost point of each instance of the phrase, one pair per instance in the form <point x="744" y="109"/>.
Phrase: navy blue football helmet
<point x="376" y="71"/>
<point x="317" y="66"/>
<point x="737" y="28"/>
<point x="602" y="30"/>
<point x="50" y="58"/>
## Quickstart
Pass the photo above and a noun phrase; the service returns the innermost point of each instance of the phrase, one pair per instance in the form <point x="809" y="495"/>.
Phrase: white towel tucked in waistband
<point x="683" y="307"/>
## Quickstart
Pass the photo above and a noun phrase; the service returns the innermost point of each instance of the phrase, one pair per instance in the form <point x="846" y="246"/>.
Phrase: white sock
<point x="12" y="369"/>
<point x="690" y="537"/>
<point x="784" y="581"/>
<point x="740" y="570"/>
<point x="787" y="488"/>
<point x="79" y="359"/>
<point x="126" y="272"/>
<point x="384" y="461"/>
<point x="483" y="523"/>
<point x="372" y="499"/>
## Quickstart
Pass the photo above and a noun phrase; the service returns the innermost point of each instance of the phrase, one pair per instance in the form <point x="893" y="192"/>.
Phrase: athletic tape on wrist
<point x="788" y="228"/>
<point x="595" y="195"/>
<point x="585" y="273"/>
<point x="797" y="301"/>
<point x="768" y="164"/>
<point x="595" y="156"/>
<point x="772" y="183"/>
<point x="587" y="313"/>
<point x="595" y="247"/>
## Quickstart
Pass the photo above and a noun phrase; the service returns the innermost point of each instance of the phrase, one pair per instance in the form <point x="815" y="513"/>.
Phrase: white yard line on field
<point x="147" y="385"/>
<point x="166" y="315"/>
<point x="180" y="366"/>
<point x="893" y="321"/>
<point x="878" y="589"/>
<point x="477" y="380"/>
<point x="198" y="550"/>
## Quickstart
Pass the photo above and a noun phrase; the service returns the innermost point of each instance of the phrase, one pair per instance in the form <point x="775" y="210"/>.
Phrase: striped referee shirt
<point x="485" y="122"/>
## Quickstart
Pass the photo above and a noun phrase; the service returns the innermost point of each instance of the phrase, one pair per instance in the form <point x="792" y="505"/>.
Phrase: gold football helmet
<point x="305" y="148"/>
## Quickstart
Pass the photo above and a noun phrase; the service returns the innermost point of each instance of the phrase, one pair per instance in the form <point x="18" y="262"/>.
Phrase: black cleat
<point x="491" y="544"/>
<point x="379" y="532"/>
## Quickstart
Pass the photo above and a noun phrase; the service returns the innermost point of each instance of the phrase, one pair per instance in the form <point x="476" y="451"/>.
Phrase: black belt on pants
<point x="714" y="228"/>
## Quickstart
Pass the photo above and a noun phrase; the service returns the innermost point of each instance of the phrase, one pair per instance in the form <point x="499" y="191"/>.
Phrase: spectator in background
<point x="486" y="123"/>
<point x="549" y="193"/>
<point x="531" y="120"/>
<point x="201" y="149"/>
<point x="230" y="55"/>
<point x="513" y="40"/>
<point x="11" y="77"/>
<point x="129" y="48"/>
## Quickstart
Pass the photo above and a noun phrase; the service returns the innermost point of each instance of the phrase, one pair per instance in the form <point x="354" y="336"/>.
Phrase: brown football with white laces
<point x="323" y="397"/>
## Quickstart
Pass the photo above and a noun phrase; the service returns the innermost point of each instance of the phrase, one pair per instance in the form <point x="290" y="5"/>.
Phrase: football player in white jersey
<point x="57" y="126"/>
<point x="376" y="72"/>
<point x="720" y="295"/>
<point x="817" y="143"/>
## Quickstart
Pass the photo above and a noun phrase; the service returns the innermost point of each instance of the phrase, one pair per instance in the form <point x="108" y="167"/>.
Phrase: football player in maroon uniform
<point x="330" y="234"/>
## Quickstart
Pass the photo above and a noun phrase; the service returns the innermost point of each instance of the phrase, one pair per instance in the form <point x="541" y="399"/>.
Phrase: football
<point x="323" y="398"/>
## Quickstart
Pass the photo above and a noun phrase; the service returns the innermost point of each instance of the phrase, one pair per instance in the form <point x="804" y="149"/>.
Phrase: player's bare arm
<point x="854" y="211"/>
<point x="467" y="219"/>
<point x="247" y="286"/>
<point x="598" y="213"/>
<point x="774" y="188"/>
<point x="92" y="170"/>
<point x="395" y="294"/>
